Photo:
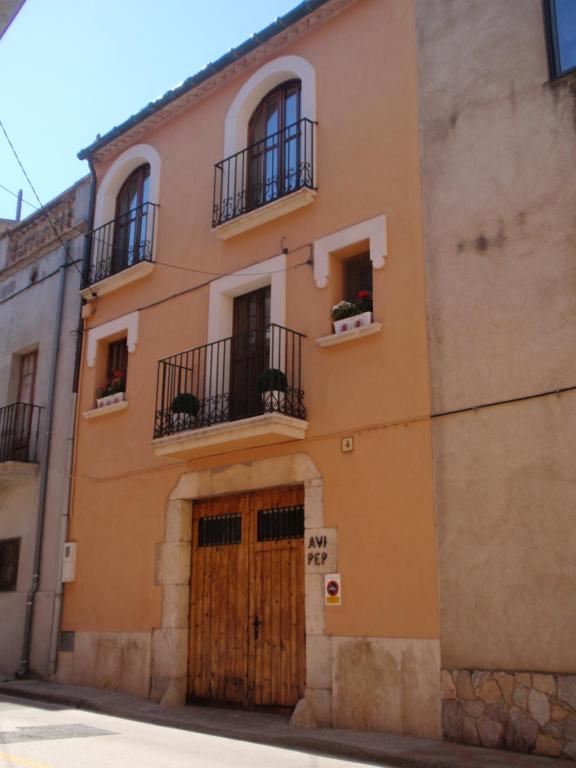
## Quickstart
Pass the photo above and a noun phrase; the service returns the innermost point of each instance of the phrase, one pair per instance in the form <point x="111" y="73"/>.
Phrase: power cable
<point x="232" y="274"/>
<point x="42" y="207"/>
<point x="16" y="194"/>
<point x="216" y="276"/>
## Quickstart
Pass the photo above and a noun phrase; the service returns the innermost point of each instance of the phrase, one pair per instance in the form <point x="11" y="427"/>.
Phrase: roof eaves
<point x="253" y="42"/>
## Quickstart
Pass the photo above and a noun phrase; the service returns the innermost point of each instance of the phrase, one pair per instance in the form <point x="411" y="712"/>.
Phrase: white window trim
<point x="374" y="230"/>
<point x="128" y="323"/>
<point x="117" y="174"/>
<point x="257" y="86"/>
<point x="271" y="272"/>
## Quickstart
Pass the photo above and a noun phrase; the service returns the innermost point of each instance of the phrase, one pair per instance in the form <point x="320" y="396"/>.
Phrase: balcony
<point x="121" y="251"/>
<point x="239" y="392"/>
<point x="19" y="431"/>
<point x="267" y="179"/>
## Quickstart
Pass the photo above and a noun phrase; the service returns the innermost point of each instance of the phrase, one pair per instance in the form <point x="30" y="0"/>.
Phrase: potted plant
<point x="272" y="385"/>
<point x="348" y="315"/>
<point x="184" y="410"/>
<point x="113" y="391"/>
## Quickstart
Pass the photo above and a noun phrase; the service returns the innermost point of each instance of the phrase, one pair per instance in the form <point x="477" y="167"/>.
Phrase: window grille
<point x="9" y="555"/>
<point x="219" y="530"/>
<point x="281" y="523"/>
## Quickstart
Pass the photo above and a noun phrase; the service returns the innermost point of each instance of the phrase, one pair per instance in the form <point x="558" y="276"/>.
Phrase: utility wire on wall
<point x="43" y="208"/>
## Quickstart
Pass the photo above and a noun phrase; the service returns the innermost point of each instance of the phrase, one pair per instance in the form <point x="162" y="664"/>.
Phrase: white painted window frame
<point x="128" y="323"/>
<point x="374" y="230"/>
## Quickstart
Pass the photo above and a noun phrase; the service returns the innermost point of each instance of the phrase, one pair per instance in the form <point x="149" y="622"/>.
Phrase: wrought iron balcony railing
<point x="235" y="378"/>
<point x="120" y="244"/>
<point x="19" y="430"/>
<point x="265" y="171"/>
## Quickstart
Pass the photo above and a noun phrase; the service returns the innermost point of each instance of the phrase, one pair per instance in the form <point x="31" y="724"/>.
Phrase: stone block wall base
<point x="519" y="711"/>
<point x="372" y="683"/>
<point x="314" y="710"/>
<point x="117" y="660"/>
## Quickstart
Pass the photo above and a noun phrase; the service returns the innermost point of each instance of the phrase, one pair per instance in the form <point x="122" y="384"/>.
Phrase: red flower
<point x="364" y="294"/>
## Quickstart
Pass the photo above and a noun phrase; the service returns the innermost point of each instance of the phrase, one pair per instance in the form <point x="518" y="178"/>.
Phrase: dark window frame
<point x="350" y="292"/>
<point x="117" y="359"/>
<point x="262" y="150"/>
<point x="552" y="42"/>
<point x="9" y="564"/>
<point x="132" y="219"/>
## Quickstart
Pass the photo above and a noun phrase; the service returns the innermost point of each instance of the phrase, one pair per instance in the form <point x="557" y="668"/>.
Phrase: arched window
<point x="274" y="137"/>
<point x="131" y="242"/>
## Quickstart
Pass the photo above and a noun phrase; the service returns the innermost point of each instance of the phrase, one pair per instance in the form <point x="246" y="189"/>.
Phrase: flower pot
<point x="273" y="400"/>
<point x="182" y="421"/>
<point x="102" y="402"/>
<point x="351" y="323"/>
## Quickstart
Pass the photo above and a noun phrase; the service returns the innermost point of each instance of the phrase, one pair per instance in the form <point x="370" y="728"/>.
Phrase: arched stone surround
<point x="170" y="642"/>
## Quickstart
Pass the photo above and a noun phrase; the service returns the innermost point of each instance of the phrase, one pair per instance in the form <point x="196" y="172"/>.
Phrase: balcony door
<point x="131" y="220"/>
<point x="23" y="411"/>
<point x="274" y="138"/>
<point x="250" y="351"/>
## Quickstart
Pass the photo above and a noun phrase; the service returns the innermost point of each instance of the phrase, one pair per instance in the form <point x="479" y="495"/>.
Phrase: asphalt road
<point x="35" y="735"/>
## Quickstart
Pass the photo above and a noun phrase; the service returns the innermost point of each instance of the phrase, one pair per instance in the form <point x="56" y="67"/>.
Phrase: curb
<point x="298" y="740"/>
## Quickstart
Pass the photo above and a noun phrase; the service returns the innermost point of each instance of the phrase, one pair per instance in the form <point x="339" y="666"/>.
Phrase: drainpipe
<point x="45" y="460"/>
<point x="65" y="518"/>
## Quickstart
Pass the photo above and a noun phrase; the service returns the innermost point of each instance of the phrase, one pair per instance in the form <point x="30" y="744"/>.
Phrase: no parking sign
<point x="332" y="589"/>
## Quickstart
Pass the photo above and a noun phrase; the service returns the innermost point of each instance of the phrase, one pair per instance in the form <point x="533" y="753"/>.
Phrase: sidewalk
<point x="378" y="748"/>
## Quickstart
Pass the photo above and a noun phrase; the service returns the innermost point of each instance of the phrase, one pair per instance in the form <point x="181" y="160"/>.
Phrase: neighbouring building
<point x="253" y="504"/>
<point x="497" y="87"/>
<point x="40" y="268"/>
<point x="8" y="12"/>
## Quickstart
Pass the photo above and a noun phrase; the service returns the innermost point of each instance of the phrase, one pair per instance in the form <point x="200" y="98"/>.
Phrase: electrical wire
<point x="37" y="282"/>
<point x="43" y="209"/>
<point x="217" y="276"/>
<point x="232" y="274"/>
<point x="17" y="194"/>
<point x="340" y="433"/>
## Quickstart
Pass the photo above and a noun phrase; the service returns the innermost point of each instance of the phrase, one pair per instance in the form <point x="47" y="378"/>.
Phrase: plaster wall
<point x="378" y="497"/>
<point x="27" y="311"/>
<point x="498" y="167"/>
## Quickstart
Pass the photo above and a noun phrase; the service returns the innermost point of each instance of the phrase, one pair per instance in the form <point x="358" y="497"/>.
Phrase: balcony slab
<point x="119" y="280"/>
<point x="287" y="204"/>
<point x="17" y="472"/>
<point x="267" y="429"/>
<point x="335" y="339"/>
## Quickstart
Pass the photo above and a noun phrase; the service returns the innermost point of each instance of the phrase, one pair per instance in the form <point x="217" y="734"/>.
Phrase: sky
<point x="70" y="69"/>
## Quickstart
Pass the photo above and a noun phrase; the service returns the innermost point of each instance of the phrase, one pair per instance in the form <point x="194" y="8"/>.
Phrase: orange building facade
<point x="253" y="502"/>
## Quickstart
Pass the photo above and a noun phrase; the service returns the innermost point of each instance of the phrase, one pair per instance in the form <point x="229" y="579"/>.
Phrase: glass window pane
<point x="291" y="109"/>
<point x="566" y="27"/>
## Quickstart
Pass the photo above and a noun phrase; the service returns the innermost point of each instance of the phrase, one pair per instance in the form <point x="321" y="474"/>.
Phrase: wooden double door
<point x="247" y="630"/>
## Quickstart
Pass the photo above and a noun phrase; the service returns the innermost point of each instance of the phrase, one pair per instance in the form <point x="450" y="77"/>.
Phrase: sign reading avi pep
<point x="332" y="589"/>
<point x="320" y="550"/>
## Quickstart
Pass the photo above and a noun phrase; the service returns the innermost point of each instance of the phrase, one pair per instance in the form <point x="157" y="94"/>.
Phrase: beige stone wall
<point x="117" y="660"/>
<point x="498" y="170"/>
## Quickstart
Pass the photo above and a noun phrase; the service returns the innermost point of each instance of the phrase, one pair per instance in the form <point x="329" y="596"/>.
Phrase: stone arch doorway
<point x="170" y="642"/>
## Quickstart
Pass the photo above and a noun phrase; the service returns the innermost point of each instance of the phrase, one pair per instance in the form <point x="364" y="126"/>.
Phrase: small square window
<point x="9" y="556"/>
<point x="561" y="28"/>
